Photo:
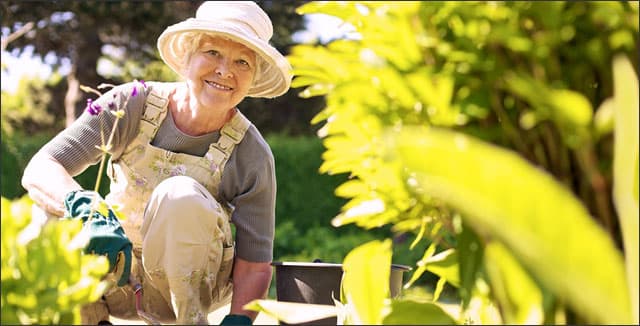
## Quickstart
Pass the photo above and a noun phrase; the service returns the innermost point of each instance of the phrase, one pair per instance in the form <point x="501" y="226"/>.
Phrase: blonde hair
<point x="189" y="42"/>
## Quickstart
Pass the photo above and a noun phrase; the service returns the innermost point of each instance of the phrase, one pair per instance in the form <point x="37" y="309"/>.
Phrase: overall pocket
<point x="224" y="284"/>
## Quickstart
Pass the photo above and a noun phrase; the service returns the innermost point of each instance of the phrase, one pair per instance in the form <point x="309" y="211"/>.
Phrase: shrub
<point x="45" y="277"/>
<point x="304" y="196"/>
<point x="486" y="128"/>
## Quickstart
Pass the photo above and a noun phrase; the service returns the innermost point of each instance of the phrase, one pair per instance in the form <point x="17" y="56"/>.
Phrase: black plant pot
<point x="319" y="283"/>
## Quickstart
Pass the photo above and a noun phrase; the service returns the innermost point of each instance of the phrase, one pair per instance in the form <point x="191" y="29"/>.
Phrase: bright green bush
<point x="518" y="189"/>
<point x="16" y="151"/>
<point x="306" y="204"/>
<point x="45" y="277"/>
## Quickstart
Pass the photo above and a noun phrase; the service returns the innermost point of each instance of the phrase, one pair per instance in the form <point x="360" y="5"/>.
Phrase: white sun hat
<point x="240" y="21"/>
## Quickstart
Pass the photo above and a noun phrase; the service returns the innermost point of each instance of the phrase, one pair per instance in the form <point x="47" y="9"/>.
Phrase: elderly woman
<point x="185" y="164"/>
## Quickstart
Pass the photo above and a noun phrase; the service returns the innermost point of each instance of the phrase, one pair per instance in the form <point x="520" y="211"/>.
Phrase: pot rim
<point x="320" y="264"/>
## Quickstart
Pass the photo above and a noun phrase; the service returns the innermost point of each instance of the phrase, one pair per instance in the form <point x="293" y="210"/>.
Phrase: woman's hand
<point x="103" y="230"/>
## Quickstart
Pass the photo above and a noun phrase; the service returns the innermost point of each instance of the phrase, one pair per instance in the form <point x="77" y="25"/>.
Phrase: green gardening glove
<point x="106" y="235"/>
<point x="236" y="320"/>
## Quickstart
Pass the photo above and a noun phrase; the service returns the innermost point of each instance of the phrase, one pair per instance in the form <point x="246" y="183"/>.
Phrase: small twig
<point x="509" y="129"/>
<point x="557" y="154"/>
<point x="586" y="159"/>
<point x="15" y="35"/>
<point x="89" y="90"/>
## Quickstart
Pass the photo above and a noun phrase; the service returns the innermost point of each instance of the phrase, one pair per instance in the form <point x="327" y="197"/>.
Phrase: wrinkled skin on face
<point x="220" y="73"/>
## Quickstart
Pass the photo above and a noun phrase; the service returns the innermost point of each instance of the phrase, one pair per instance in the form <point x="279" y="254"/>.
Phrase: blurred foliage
<point x="625" y="168"/>
<point x="297" y="160"/>
<point x="306" y="203"/>
<point x="525" y="88"/>
<point x="15" y="152"/>
<point x="45" y="278"/>
<point x="528" y="84"/>
<point x="468" y="67"/>
<point x="26" y="108"/>
<point x="494" y="197"/>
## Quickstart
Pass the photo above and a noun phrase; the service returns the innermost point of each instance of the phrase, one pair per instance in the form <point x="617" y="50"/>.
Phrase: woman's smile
<point x="218" y="86"/>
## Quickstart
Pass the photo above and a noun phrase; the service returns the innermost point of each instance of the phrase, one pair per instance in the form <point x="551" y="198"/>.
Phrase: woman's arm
<point x="48" y="176"/>
<point x="250" y="281"/>
<point x="47" y="182"/>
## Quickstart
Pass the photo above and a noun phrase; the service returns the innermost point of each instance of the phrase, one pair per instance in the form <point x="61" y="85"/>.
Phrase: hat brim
<point x="275" y="77"/>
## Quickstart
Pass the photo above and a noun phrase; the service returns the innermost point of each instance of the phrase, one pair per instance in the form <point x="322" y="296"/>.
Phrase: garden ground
<point x="214" y="318"/>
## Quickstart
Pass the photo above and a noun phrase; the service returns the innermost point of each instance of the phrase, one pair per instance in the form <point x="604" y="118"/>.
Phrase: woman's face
<point x="220" y="73"/>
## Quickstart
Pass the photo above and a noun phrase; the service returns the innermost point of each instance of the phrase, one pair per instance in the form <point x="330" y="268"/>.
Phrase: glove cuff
<point x="75" y="198"/>
<point x="236" y="320"/>
<point x="78" y="192"/>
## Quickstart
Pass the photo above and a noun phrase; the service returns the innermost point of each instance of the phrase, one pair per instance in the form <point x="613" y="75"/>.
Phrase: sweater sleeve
<point x="249" y="185"/>
<point x="77" y="147"/>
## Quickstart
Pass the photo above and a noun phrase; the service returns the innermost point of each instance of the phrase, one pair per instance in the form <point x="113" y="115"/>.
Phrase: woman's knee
<point x="181" y="188"/>
<point x="183" y="194"/>
<point x="182" y="202"/>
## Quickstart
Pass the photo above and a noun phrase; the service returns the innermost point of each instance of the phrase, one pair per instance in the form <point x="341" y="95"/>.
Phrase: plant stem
<point x="557" y="154"/>
<point x="101" y="168"/>
<point x="509" y="129"/>
<point x="586" y="161"/>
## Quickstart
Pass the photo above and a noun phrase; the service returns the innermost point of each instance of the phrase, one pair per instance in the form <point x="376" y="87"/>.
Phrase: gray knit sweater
<point x="248" y="180"/>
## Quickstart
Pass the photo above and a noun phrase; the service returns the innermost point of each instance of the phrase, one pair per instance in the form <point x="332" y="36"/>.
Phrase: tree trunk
<point x="72" y="96"/>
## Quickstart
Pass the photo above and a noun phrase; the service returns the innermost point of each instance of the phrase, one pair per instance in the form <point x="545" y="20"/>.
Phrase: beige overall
<point x="183" y="246"/>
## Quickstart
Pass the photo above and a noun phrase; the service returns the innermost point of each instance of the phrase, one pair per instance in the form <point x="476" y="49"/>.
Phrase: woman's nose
<point x="222" y="70"/>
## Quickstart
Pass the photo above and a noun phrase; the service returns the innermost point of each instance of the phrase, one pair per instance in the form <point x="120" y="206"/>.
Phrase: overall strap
<point x="155" y="109"/>
<point x="230" y="135"/>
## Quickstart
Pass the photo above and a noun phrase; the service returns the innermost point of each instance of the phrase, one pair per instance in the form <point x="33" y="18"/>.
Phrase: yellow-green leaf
<point x="445" y="265"/>
<point x="573" y="107"/>
<point x="603" y="119"/>
<point x="625" y="167"/>
<point x="407" y="312"/>
<point x="519" y="297"/>
<point x="365" y="282"/>
<point x="547" y="229"/>
<point x="292" y="312"/>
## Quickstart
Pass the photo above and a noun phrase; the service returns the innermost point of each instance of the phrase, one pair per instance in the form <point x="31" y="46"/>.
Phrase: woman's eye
<point x="213" y="52"/>
<point x="243" y="62"/>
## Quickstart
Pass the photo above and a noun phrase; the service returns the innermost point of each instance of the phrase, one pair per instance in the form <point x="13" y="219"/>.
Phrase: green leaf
<point x="338" y="9"/>
<point x="423" y="227"/>
<point x="365" y="281"/>
<point x="470" y="260"/>
<point x="518" y="295"/>
<point x="439" y="288"/>
<point x="43" y="280"/>
<point x="482" y="309"/>
<point x="445" y="265"/>
<point x="603" y="120"/>
<point x="407" y="312"/>
<point x="547" y="229"/>
<point x="571" y="111"/>
<point x="572" y="107"/>
<point x="421" y="265"/>
<point x="292" y="312"/>
<point x="625" y="167"/>
<point x="315" y="90"/>
<point x="351" y="188"/>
